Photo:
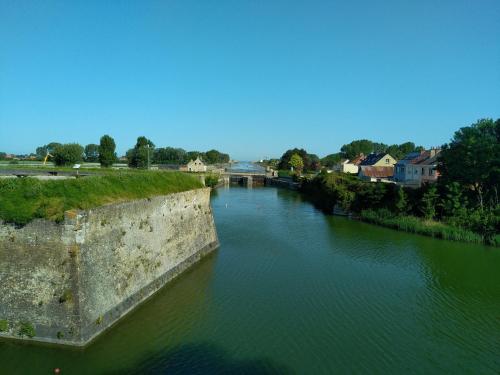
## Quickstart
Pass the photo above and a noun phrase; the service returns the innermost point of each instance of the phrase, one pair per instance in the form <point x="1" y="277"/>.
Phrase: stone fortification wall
<point x="68" y="282"/>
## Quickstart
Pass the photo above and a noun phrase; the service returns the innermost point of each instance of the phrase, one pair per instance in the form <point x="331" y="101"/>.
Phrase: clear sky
<point x="251" y="78"/>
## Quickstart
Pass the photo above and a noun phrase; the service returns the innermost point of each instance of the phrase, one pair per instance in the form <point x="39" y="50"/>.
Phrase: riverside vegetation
<point x="24" y="199"/>
<point x="463" y="205"/>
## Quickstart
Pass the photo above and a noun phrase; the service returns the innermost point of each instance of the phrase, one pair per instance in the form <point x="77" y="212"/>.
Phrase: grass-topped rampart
<point x="24" y="199"/>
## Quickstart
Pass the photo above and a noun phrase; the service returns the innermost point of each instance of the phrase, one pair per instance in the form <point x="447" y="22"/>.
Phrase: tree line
<point x="302" y="161"/>
<point x="141" y="155"/>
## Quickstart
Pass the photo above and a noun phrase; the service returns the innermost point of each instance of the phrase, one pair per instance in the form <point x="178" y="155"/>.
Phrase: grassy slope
<point x="23" y="199"/>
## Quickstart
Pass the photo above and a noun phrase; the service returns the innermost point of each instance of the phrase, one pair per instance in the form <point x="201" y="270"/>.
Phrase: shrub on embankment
<point x="24" y="199"/>
<point x="439" y="210"/>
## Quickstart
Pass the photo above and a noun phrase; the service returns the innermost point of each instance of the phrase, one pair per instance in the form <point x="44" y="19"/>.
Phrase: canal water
<point x="291" y="290"/>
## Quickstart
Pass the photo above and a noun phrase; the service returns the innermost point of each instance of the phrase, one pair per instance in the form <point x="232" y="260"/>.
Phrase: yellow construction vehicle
<point x="46" y="157"/>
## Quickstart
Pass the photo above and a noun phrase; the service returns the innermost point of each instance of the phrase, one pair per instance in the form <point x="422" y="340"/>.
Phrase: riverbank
<point x="430" y="228"/>
<point x="24" y="199"/>
<point x="408" y="210"/>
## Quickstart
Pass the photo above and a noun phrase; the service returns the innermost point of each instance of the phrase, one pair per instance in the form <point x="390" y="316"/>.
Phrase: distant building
<point x="378" y="160"/>
<point x="194" y="166"/>
<point x="375" y="173"/>
<point x="349" y="166"/>
<point x="417" y="168"/>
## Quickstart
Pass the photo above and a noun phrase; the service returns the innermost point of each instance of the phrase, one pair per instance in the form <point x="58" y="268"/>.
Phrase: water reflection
<point x="164" y="321"/>
<point x="204" y="359"/>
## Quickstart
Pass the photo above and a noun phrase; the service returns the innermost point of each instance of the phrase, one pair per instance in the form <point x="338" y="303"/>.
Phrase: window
<point x="387" y="161"/>
<point x="423" y="171"/>
<point x="431" y="172"/>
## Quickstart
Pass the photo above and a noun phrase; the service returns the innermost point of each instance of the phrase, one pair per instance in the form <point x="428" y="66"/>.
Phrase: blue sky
<point x="251" y="78"/>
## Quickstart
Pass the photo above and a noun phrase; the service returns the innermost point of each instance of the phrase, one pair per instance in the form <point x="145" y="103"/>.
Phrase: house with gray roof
<point x="417" y="168"/>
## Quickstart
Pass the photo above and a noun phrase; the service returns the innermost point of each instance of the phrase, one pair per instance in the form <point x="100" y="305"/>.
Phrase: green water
<point x="291" y="290"/>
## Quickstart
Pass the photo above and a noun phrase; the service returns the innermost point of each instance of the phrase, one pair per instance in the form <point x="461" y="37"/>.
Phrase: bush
<point x="27" y="329"/>
<point x="4" y="325"/>
<point x="211" y="180"/>
<point x="68" y="154"/>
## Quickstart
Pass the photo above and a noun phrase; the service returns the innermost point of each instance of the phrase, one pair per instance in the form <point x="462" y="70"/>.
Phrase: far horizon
<point x="251" y="79"/>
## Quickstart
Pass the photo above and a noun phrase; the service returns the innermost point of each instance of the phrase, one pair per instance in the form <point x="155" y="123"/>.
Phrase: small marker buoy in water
<point x="57" y="370"/>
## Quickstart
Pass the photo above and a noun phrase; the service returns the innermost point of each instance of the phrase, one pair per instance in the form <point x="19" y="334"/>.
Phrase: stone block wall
<point x="66" y="283"/>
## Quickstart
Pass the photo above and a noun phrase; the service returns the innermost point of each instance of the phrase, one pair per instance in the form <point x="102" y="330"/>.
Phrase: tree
<point x="428" y="202"/>
<point x="472" y="158"/>
<point x="107" y="154"/>
<point x="91" y="153"/>
<point x="42" y="151"/>
<point x="355" y="148"/>
<point x="140" y="156"/>
<point x="68" y="154"/>
<point x="401" y="202"/>
<point x="296" y="163"/>
<point x="331" y="160"/>
<point x="170" y="155"/>
<point x="192" y="155"/>
<point x="214" y="157"/>
<point x="453" y="201"/>
<point x="311" y="162"/>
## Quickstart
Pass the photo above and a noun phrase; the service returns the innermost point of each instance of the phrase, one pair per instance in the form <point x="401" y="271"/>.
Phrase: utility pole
<point x="148" y="156"/>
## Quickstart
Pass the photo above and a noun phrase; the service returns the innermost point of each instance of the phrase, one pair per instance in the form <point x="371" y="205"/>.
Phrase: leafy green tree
<point x="296" y="163"/>
<point x="472" y="158"/>
<point x="170" y="155"/>
<point x="91" y="153"/>
<point x="401" y="201"/>
<point x="141" y="154"/>
<point x="355" y="148"/>
<point x="453" y="201"/>
<point x="311" y="161"/>
<point x="192" y="155"/>
<point x="429" y="202"/>
<point x="331" y="160"/>
<point x="379" y="147"/>
<point x="3" y="155"/>
<point x="41" y="152"/>
<point x="486" y="222"/>
<point x="214" y="157"/>
<point x="68" y="154"/>
<point x="106" y="151"/>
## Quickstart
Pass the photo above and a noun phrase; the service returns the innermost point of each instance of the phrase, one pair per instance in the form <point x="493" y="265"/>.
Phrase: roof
<point x="430" y="158"/>
<point x="195" y="160"/>
<point x="373" y="158"/>
<point x="409" y="158"/>
<point x="427" y="157"/>
<point x="358" y="159"/>
<point x="377" y="172"/>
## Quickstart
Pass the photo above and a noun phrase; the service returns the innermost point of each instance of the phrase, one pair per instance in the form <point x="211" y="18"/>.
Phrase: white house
<point x="196" y="165"/>
<point x="417" y="168"/>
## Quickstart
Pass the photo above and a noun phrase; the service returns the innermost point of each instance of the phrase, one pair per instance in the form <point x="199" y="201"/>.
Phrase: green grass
<point x="4" y="325"/>
<point x="24" y="199"/>
<point x="417" y="225"/>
